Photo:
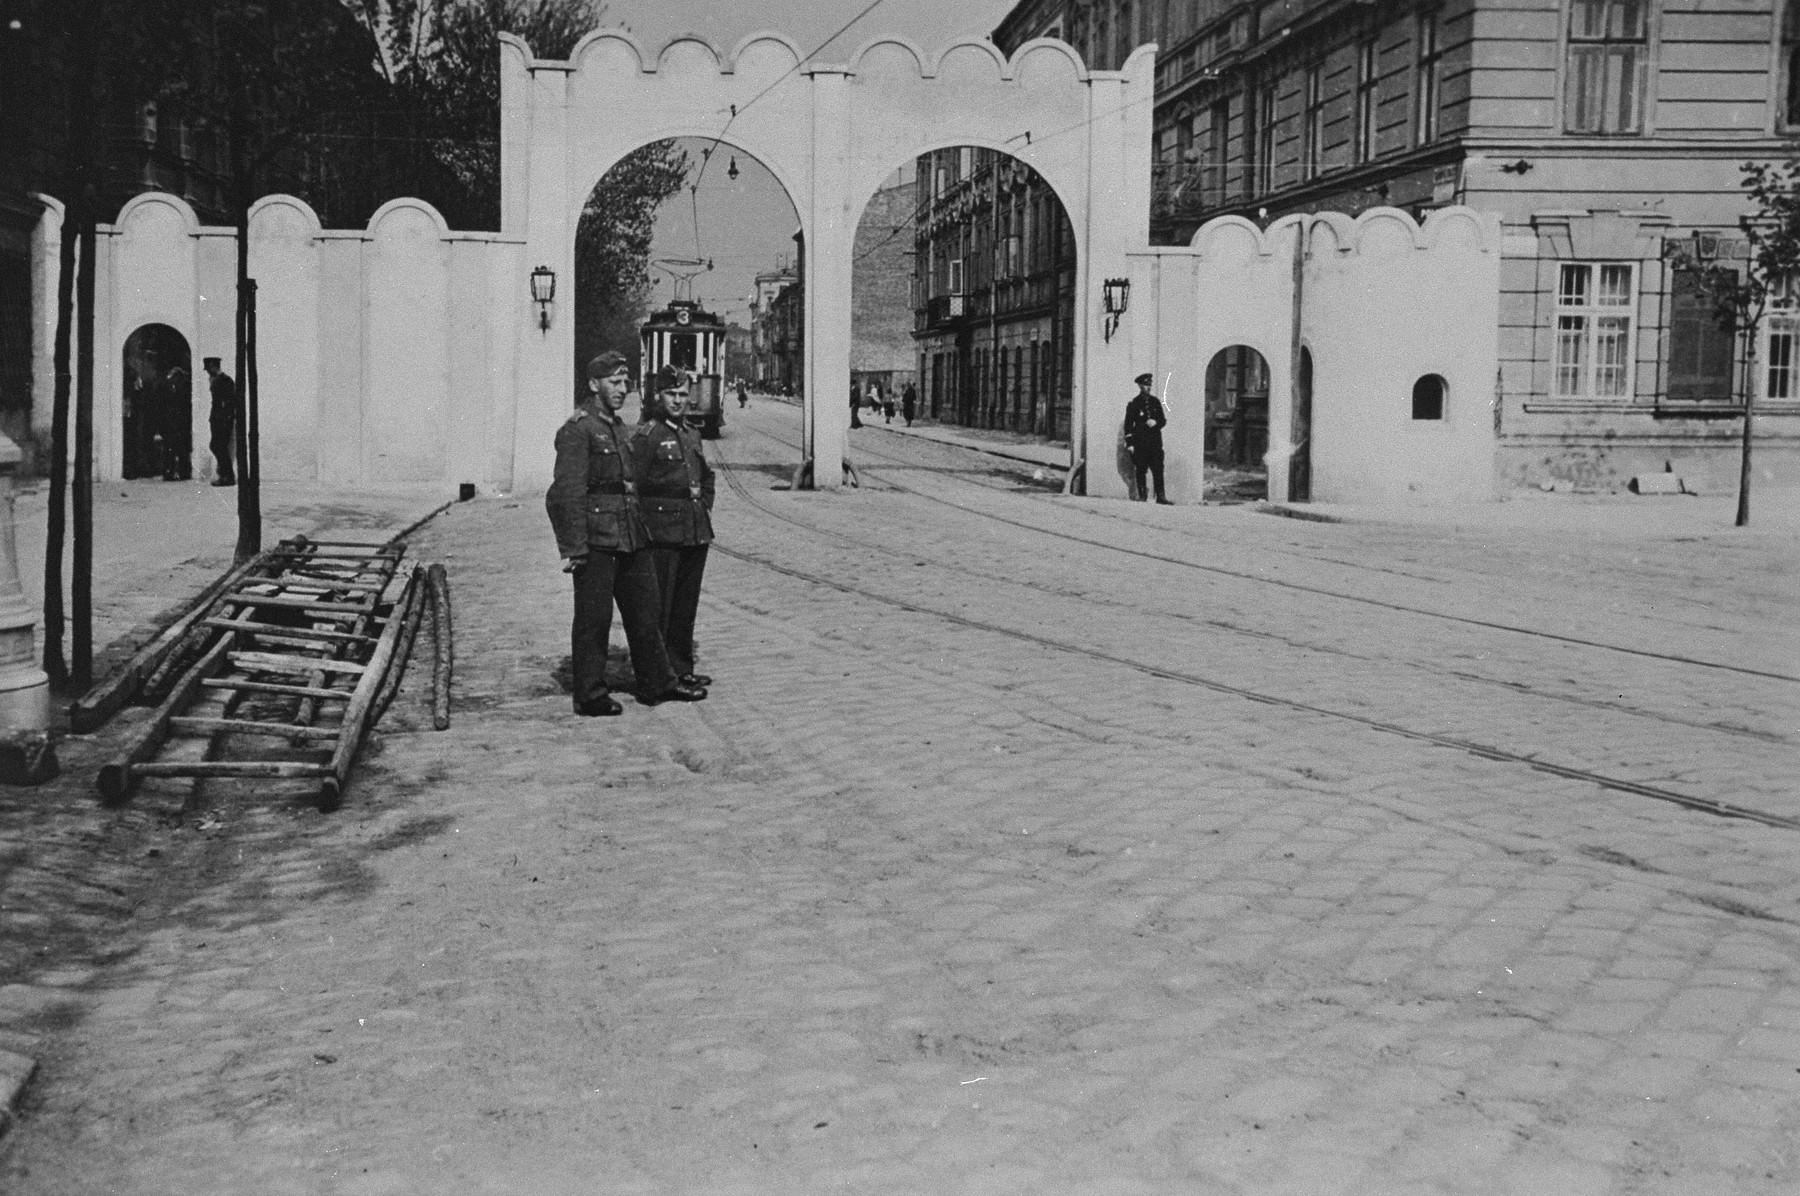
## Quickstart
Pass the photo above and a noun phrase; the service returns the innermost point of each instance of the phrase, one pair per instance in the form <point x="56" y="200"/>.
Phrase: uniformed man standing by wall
<point x="1144" y="420"/>
<point x="222" y="421"/>
<point x="676" y="491"/>
<point x="593" y="509"/>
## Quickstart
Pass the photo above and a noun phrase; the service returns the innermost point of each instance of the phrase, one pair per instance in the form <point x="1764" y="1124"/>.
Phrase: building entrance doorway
<point x="1237" y="407"/>
<point x="158" y="404"/>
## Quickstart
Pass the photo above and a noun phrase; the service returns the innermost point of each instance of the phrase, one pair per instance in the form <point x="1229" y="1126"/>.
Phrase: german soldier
<point x="676" y="488"/>
<point x="1144" y="420"/>
<point x="593" y="509"/>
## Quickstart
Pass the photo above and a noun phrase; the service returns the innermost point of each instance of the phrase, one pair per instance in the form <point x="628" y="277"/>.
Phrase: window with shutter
<point x="1700" y="348"/>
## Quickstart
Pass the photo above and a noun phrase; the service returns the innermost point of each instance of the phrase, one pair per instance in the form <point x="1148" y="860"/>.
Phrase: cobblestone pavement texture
<point x="1000" y="860"/>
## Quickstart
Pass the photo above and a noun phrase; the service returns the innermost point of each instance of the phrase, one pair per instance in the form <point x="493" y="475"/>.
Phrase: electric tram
<point x="688" y="337"/>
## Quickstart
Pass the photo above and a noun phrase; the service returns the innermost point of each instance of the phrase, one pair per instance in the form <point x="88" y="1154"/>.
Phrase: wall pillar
<point x="829" y="260"/>
<point x="1103" y="368"/>
<point x="546" y="370"/>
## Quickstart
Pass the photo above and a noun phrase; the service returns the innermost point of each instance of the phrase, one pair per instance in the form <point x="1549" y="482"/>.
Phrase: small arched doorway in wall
<point x="992" y="258"/>
<point x="1300" y="462"/>
<point x="157" y="437"/>
<point x="1237" y="423"/>
<point x="686" y="253"/>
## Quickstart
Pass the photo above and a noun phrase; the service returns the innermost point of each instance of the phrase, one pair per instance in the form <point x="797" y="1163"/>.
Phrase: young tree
<point x="1744" y="297"/>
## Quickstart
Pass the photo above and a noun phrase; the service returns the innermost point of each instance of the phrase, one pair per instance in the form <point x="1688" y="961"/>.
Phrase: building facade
<point x="1608" y="135"/>
<point x="766" y="348"/>
<point x="994" y="305"/>
<point x="881" y="303"/>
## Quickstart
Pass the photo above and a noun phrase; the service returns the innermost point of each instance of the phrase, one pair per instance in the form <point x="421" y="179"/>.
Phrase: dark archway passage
<point x="158" y="404"/>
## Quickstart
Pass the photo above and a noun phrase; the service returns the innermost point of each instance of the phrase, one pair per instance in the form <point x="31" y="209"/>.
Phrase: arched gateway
<point x="830" y="133"/>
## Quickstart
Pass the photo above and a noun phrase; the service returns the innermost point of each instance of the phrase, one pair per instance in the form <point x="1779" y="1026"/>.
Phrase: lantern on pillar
<point x="1115" y="297"/>
<point x="543" y="293"/>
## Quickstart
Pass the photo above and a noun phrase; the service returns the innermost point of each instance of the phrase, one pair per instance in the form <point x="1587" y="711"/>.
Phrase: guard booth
<point x="688" y="337"/>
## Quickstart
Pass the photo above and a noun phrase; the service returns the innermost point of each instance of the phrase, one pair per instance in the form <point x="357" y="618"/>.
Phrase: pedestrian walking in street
<point x="593" y="507"/>
<point x="909" y="402"/>
<point x="743" y="394"/>
<point x="222" y="421"/>
<point x="855" y="405"/>
<point x="1144" y="420"/>
<point x="675" y="490"/>
<point x="178" y="424"/>
<point x="887" y="404"/>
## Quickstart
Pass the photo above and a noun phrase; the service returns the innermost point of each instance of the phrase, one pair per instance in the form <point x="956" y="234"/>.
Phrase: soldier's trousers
<point x="678" y="575"/>
<point x="1152" y="464"/>
<point x="628" y="578"/>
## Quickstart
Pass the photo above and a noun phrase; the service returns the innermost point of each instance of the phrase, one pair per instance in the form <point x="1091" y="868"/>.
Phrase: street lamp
<point x="733" y="172"/>
<point x="543" y="293"/>
<point x="1115" y="297"/>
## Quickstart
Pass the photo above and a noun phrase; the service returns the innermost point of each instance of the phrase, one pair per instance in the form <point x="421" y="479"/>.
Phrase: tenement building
<point x="994" y="303"/>
<point x="1609" y="136"/>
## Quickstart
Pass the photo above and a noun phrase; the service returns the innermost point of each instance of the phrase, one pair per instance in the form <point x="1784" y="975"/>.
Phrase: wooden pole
<point x="356" y="716"/>
<point x="443" y="638"/>
<point x="81" y="581"/>
<point x="54" y="663"/>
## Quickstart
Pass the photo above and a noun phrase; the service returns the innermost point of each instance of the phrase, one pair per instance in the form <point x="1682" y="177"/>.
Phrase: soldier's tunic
<point x="593" y="509"/>
<point x="677" y="489"/>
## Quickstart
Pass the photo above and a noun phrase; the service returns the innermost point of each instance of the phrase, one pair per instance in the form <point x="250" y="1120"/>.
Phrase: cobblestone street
<point x="1025" y="845"/>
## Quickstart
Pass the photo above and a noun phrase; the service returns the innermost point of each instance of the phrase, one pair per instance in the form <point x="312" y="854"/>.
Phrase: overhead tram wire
<point x="736" y="111"/>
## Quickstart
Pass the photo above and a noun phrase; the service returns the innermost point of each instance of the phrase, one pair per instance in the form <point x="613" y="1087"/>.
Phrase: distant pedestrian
<point x="743" y="394"/>
<point x="222" y="421"/>
<point x="1144" y="420"/>
<point x="675" y="490"/>
<point x="178" y="424"/>
<point x="909" y="402"/>
<point x="855" y="406"/>
<point x="593" y="507"/>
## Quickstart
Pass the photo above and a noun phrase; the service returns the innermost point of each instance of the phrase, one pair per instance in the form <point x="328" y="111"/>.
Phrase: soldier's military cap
<point x="606" y="365"/>
<point x="1144" y="379"/>
<point x="671" y="378"/>
<point x="206" y="361"/>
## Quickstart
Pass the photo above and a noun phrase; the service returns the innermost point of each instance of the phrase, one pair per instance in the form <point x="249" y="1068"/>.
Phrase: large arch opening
<point x="157" y="405"/>
<point x="991" y="291"/>
<point x="1237" y="424"/>
<point x="688" y="253"/>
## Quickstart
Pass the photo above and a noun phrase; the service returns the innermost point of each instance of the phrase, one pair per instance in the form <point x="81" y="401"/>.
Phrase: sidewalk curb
<point x="1300" y="513"/>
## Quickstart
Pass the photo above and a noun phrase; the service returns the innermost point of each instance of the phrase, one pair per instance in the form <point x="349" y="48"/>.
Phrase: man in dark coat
<point x="676" y="490"/>
<point x="223" y="422"/>
<point x="178" y="425"/>
<point x="855" y="404"/>
<point x="909" y="403"/>
<point x="1144" y="420"/>
<point x="593" y="508"/>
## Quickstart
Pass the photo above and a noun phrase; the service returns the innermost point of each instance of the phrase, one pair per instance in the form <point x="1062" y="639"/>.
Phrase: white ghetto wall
<point x="831" y="133"/>
<point x="385" y="354"/>
<point x="1382" y="302"/>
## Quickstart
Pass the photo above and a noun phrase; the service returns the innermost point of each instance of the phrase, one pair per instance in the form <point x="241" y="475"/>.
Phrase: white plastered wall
<point x="1382" y="302"/>
<point x="384" y="354"/>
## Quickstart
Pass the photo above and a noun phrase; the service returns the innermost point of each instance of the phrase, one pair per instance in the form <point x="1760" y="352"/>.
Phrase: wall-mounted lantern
<point x="1116" y="297"/>
<point x="733" y="172"/>
<point x="543" y="293"/>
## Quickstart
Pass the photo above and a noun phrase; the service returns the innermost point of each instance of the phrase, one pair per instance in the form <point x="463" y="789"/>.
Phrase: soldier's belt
<point x="670" y="491"/>
<point x="612" y="488"/>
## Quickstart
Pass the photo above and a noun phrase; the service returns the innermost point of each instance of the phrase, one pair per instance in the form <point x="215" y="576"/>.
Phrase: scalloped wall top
<point x="926" y="62"/>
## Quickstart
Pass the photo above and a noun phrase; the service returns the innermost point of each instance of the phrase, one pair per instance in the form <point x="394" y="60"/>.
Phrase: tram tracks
<point x="1487" y="751"/>
<point x="1303" y="587"/>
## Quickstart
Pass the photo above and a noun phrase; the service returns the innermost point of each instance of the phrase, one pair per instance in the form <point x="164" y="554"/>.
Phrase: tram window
<point x="681" y="351"/>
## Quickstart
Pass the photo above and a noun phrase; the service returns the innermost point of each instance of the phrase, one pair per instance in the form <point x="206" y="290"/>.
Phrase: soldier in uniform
<point x="1144" y="420"/>
<point x="593" y="509"/>
<point x="178" y="425"/>
<point x="675" y="489"/>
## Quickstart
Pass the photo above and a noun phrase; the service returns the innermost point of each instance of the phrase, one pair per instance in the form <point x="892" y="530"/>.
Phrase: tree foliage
<point x="1744" y="295"/>
<point x="612" y="247"/>
<point x="441" y="59"/>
